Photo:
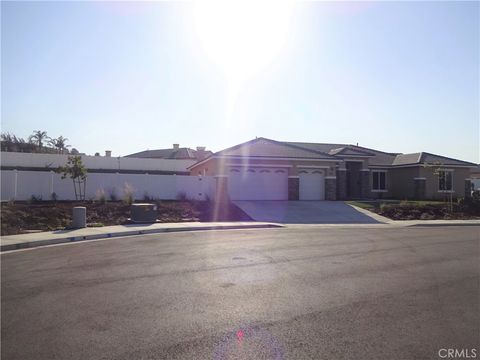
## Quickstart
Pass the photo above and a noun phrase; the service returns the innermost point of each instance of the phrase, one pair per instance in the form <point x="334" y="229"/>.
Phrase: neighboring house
<point x="96" y="164"/>
<point x="264" y="169"/>
<point x="176" y="153"/>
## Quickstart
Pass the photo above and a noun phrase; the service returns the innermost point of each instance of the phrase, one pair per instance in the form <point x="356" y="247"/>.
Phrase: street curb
<point x="37" y="243"/>
<point x="444" y="224"/>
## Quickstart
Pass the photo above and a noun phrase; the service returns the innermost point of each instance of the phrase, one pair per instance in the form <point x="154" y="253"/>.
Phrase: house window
<point x="379" y="182"/>
<point x="445" y="180"/>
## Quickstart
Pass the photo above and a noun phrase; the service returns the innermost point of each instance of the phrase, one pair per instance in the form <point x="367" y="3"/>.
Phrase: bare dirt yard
<point x="21" y="217"/>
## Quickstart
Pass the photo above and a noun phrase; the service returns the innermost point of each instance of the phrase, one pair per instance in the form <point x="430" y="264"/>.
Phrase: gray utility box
<point x="143" y="213"/>
<point x="79" y="217"/>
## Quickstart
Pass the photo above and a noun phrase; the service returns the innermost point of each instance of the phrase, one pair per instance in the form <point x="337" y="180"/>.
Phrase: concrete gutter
<point x="30" y="240"/>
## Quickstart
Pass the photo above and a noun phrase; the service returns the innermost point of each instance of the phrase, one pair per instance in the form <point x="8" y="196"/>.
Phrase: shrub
<point x="385" y="207"/>
<point x="54" y="197"/>
<point x="147" y="197"/>
<point x="182" y="196"/>
<point x="128" y="192"/>
<point x="470" y="204"/>
<point x="35" y="199"/>
<point x="100" y="196"/>
<point x="112" y="194"/>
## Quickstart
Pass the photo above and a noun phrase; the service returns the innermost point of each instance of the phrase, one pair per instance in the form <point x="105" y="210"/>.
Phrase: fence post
<point x="51" y="183"/>
<point x="15" y="181"/>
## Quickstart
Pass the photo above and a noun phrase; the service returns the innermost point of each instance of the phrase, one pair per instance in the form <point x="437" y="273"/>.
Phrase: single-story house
<point x="264" y="169"/>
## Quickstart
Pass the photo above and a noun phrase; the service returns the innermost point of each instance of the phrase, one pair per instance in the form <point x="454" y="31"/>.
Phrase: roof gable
<point x="378" y="158"/>
<point x="347" y="150"/>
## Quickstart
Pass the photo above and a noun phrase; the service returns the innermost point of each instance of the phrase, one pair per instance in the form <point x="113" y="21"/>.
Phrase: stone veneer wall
<point x="419" y="188"/>
<point x="341" y="184"/>
<point x="468" y="188"/>
<point x="330" y="189"/>
<point x="293" y="188"/>
<point x="365" y="184"/>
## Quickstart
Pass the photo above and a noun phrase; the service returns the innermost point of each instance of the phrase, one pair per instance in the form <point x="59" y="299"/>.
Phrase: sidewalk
<point x="22" y="241"/>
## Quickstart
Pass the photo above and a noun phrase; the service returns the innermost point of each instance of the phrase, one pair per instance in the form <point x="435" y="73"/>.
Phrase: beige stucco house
<point x="264" y="169"/>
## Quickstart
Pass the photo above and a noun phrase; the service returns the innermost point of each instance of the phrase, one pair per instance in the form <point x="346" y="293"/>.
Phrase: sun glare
<point x="242" y="37"/>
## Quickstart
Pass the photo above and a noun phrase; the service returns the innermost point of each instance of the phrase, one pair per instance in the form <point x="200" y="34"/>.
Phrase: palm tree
<point x="38" y="137"/>
<point x="61" y="144"/>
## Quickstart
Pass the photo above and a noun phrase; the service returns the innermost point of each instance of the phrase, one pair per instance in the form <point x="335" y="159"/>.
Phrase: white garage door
<point x="312" y="184"/>
<point x="250" y="183"/>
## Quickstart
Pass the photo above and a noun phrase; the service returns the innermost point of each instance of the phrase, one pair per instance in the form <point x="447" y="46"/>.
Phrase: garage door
<point x="246" y="183"/>
<point x="312" y="184"/>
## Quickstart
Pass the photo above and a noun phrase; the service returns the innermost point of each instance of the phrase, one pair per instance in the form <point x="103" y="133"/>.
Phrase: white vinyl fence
<point x="53" y="161"/>
<point x="22" y="185"/>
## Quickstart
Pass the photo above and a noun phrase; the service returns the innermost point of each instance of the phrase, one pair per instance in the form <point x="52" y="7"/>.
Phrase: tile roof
<point x="262" y="147"/>
<point x="177" y="154"/>
<point x="424" y="157"/>
<point x="380" y="157"/>
<point x="405" y="159"/>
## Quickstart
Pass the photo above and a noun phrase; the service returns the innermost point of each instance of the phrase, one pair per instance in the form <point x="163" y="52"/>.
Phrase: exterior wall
<point x="27" y="161"/>
<point x="330" y="189"/>
<point x="388" y="183"/>
<point x="293" y="188"/>
<point x="341" y="184"/>
<point x="468" y="188"/>
<point x="402" y="182"/>
<point x="365" y="184"/>
<point x="420" y="188"/>
<point x="21" y="185"/>
<point x="213" y="167"/>
<point x="208" y="168"/>
<point x="219" y="167"/>
<point x="459" y="176"/>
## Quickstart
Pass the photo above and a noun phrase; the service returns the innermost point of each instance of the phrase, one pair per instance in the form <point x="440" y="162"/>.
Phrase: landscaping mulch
<point x="426" y="212"/>
<point x="22" y="217"/>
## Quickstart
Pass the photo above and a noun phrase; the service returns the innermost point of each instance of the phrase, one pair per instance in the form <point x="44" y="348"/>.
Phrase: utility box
<point x="143" y="213"/>
<point x="79" y="216"/>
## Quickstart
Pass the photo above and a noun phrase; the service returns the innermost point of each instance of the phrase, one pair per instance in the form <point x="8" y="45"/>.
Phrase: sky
<point x="125" y="76"/>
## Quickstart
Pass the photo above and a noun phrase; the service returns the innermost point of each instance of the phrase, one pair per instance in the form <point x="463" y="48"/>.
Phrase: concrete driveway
<point x="304" y="212"/>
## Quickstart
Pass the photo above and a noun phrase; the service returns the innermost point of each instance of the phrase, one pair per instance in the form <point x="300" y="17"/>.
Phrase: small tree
<point x="75" y="170"/>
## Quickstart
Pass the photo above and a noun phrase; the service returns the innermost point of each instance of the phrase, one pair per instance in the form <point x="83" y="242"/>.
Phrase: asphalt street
<point x="303" y="292"/>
